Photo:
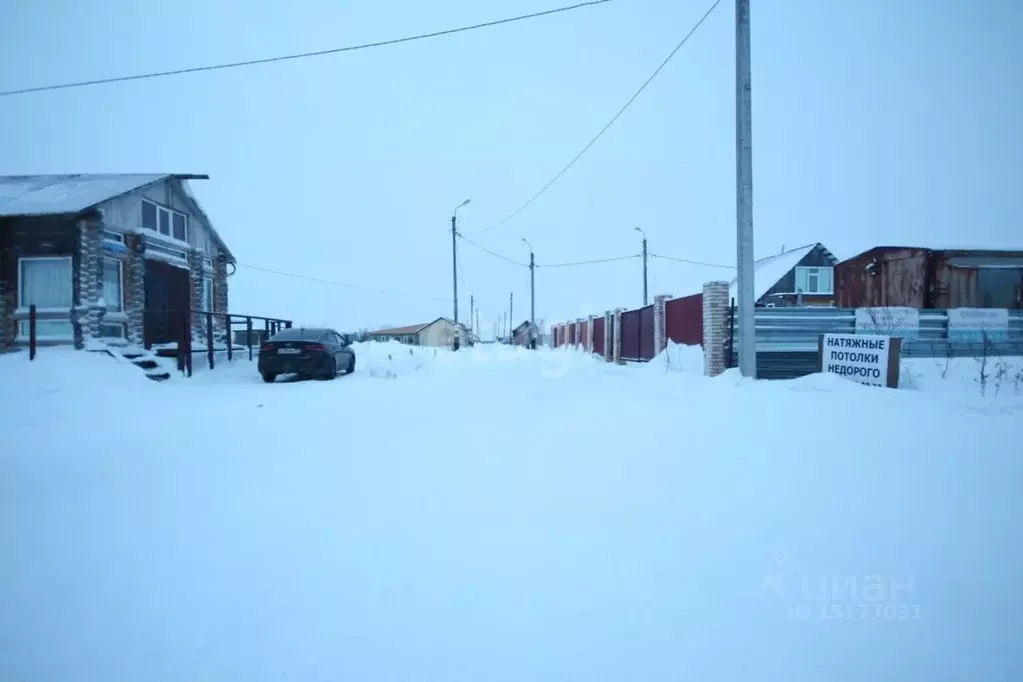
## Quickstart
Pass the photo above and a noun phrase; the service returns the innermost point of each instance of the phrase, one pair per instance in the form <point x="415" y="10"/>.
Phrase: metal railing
<point x="183" y="346"/>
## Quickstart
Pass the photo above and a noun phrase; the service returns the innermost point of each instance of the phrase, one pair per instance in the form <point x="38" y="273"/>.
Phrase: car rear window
<point x="298" y="335"/>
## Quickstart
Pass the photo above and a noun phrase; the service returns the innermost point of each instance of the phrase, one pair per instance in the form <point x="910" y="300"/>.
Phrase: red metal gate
<point x="598" y="336"/>
<point x="571" y="334"/>
<point x="646" y="333"/>
<point x="630" y="335"/>
<point x="684" y="320"/>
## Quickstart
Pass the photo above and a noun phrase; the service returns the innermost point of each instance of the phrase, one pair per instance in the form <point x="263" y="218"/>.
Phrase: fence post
<point x="209" y="338"/>
<point x="715" y="333"/>
<point x="617" y="339"/>
<point x="230" y="341"/>
<point x="660" y="323"/>
<point x="248" y="335"/>
<point x="590" y="320"/>
<point x="730" y="360"/>
<point x="32" y="332"/>
<point x="608" y="335"/>
<point x="188" y="344"/>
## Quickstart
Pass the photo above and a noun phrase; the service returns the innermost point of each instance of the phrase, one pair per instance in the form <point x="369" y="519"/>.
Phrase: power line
<point x="492" y="253"/>
<point x="587" y="262"/>
<point x="606" y="127"/>
<point x="302" y="55"/>
<point x="692" y="262"/>
<point x="334" y="283"/>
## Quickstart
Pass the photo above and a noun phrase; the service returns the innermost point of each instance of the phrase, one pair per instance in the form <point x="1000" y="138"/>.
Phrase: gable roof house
<point x="801" y="276"/>
<point x="524" y="334"/>
<point x="104" y="257"/>
<point x="440" y="332"/>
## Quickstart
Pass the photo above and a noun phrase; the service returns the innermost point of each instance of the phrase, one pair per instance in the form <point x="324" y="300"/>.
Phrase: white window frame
<point x="23" y="307"/>
<point x="170" y="223"/>
<point x="113" y="323"/>
<point x="120" y="288"/>
<point x="802" y="280"/>
<point x="207" y="286"/>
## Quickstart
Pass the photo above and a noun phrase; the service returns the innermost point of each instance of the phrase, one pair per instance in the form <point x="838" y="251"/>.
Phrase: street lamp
<point x="640" y="230"/>
<point x="454" y="262"/>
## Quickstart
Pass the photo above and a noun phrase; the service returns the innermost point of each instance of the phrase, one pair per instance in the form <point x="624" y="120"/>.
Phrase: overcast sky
<point x="875" y="122"/>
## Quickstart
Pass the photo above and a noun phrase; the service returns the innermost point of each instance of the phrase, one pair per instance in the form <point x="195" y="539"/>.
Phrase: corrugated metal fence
<point x="787" y="338"/>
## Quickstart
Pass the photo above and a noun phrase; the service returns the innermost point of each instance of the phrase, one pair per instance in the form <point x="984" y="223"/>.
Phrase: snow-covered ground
<point x="501" y="514"/>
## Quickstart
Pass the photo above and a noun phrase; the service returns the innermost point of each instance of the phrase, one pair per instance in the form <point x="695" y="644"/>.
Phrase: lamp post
<point x="640" y="230"/>
<point x="454" y="262"/>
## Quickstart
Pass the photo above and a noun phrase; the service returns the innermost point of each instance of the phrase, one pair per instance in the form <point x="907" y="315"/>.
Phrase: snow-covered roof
<point x="767" y="271"/>
<point x="34" y="195"/>
<point x="412" y="328"/>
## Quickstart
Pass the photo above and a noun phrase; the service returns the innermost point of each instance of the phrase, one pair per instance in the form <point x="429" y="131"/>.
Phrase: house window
<point x="164" y="221"/>
<point x="111" y="330"/>
<point x="45" y="283"/>
<point x="207" y="294"/>
<point x="113" y="291"/>
<point x="814" y="280"/>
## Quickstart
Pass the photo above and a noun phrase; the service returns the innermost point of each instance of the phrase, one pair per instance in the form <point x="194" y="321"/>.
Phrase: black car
<point x="320" y="353"/>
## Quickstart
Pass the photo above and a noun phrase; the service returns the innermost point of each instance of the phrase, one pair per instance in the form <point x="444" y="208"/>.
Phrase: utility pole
<point x="532" y="289"/>
<point x="472" y="308"/>
<point x="645" y="297"/>
<point x="476" y="327"/>
<point x="744" y="189"/>
<point x="454" y="261"/>
<point x="532" y="283"/>
<point x="511" y="315"/>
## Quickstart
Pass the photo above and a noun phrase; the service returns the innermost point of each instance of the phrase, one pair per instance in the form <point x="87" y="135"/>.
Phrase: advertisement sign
<point x="867" y="359"/>
<point x="973" y="325"/>
<point x="889" y="321"/>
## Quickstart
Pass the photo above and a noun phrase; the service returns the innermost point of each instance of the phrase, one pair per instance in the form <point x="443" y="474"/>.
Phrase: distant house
<point x="919" y="277"/>
<point x="116" y="256"/>
<point x="803" y="276"/>
<point x="523" y="334"/>
<point x="441" y="332"/>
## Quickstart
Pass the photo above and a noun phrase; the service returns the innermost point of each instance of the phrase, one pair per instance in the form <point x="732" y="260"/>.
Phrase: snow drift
<point x="504" y="515"/>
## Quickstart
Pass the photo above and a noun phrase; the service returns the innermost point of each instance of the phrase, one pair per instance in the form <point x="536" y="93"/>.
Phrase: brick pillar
<point x="579" y="332"/>
<point x="195" y="301"/>
<point x="715" y="327"/>
<point x="660" y="323"/>
<point x="608" y="334"/>
<point x="616" y="356"/>
<point x="589" y="332"/>
<point x="220" y="301"/>
<point x="87" y="276"/>
<point x="135" y="287"/>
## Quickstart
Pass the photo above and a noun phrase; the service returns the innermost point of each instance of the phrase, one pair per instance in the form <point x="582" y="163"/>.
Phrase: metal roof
<point x="41" y="195"/>
<point x="37" y="195"/>
<point x="412" y="329"/>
